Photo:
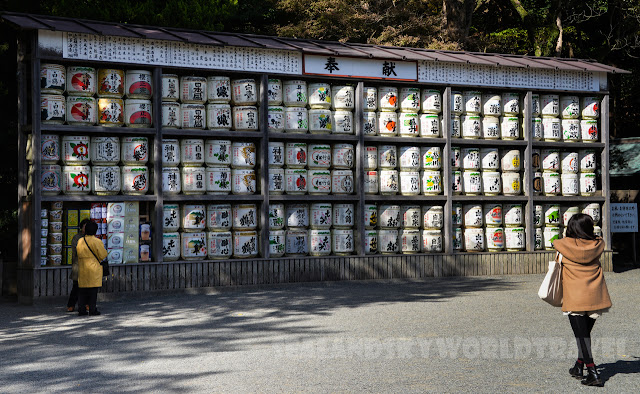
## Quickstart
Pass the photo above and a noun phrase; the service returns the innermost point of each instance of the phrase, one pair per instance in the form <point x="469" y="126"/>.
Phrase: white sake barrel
<point x="474" y="239"/>
<point x="295" y="154"/>
<point x="456" y="157"/>
<point x="510" y="103"/>
<point x="429" y="158"/>
<point x="343" y="215"/>
<point x="297" y="242"/>
<point x="296" y="120"/>
<point x="535" y="104"/>
<point x="471" y="126"/>
<point x="588" y="130"/>
<point x="320" y="216"/>
<point x="536" y="129"/>
<point x="511" y="160"/>
<point x="472" y="102"/>
<point x="590" y="106"/>
<point x="388" y="98"/>
<point x="219" y="245"/>
<point x="319" y="95"/>
<point x="409" y="125"/>
<point x="551" y="159"/>
<point x="510" y="127"/>
<point x="370" y="216"/>
<point x="539" y="239"/>
<point x="456" y="182"/>
<point x="320" y="240"/>
<point x="105" y="150"/>
<point x="549" y="235"/>
<point x="489" y="159"/>
<point x="457" y="103"/>
<point x="588" y="185"/>
<point x="138" y="113"/>
<point x="193" y="89"/>
<point x="134" y="151"/>
<point x="171" y="115"/>
<point x="276" y="216"/>
<point x="491" y="104"/>
<point x="75" y="149"/>
<point x="81" y="81"/>
<point x="535" y="159"/>
<point x="193" y="180"/>
<point x="387" y="122"/>
<point x="411" y="216"/>
<point x="245" y="244"/>
<point x="170" y="87"/>
<point x="219" y="217"/>
<point x="410" y="100"/>
<point x="410" y="241"/>
<point x="511" y="183"/>
<point x="587" y="160"/>
<point x="342" y="182"/>
<point x="81" y="110"/>
<point x="371" y="182"/>
<point x="49" y="149"/>
<point x="243" y="154"/>
<point x="370" y="242"/>
<point x="135" y="180"/>
<point x="597" y="231"/>
<point x="431" y="101"/>
<point x="456" y="214"/>
<point x="472" y="182"/>
<point x="76" y="179"/>
<point x="455" y="126"/>
<point x="295" y="93"/>
<point x="243" y="181"/>
<point x="170" y="217"/>
<point x="551" y="130"/>
<point x="431" y="182"/>
<point x="387" y="156"/>
<point x="537" y="185"/>
<point x="514" y="238"/>
<point x="513" y="215"/>
<point x="274" y="92"/>
<point x="492" y="214"/>
<point x="470" y="158"/>
<point x="218" y="180"/>
<point x="193" y="217"/>
<point x="432" y="217"/>
<point x="276" y="154"/>
<point x="409" y="158"/>
<point x="321" y="121"/>
<point x="592" y="210"/>
<point x="491" y="183"/>
<point x="550" y="104"/>
<point x="567" y="213"/>
<point x="410" y="183"/>
<point x="370" y="98"/>
<point x="370" y="123"/>
<point x="389" y="182"/>
<point x="429" y="125"/>
<point x="569" y="162"/>
<point x="342" y="242"/>
<point x="194" y="246"/>
<point x="110" y="112"/>
<point x="275" y="119"/>
<point x="570" y="130"/>
<point x="495" y="238"/>
<point x="473" y="216"/>
<point x="217" y="153"/>
<point x="138" y="84"/>
<point x="343" y="156"/>
<point x="245" y="118"/>
<point x="170" y="246"/>
<point x="296" y="181"/>
<point x="389" y="216"/>
<point x="319" y="181"/>
<point x="170" y="152"/>
<point x="370" y="157"/>
<point x="50" y="179"/>
<point x="192" y="152"/>
<point x="551" y="183"/>
<point x="388" y="241"/>
<point x="218" y="89"/>
<point x="245" y="217"/>
<point x="319" y="156"/>
<point x="193" y="116"/>
<point x="297" y="215"/>
<point x="491" y="128"/>
<point x="457" y="239"/>
<point x="343" y="97"/>
<point x="538" y="215"/>
<point x="244" y="92"/>
<point x="52" y="78"/>
<point x="551" y="215"/>
<point x="219" y="117"/>
<point x="431" y="241"/>
<point x="569" y="107"/>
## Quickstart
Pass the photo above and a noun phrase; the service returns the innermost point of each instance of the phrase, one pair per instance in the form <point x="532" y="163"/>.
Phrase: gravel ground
<point x="478" y="334"/>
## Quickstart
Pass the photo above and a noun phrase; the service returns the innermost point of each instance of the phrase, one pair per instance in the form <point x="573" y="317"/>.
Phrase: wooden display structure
<point x="36" y="281"/>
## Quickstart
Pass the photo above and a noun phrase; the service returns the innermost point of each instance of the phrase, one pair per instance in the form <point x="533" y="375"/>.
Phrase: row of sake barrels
<point x="102" y="180"/>
<point x="312" y="156"/>
<point x="316" y="242"/>
<point x="210" y="245"/>
<point x="315" y="121"/>
<point x="490" y="183"/>
<point x="564" y="161"/>
<point x="80" y="110"/>
<point x="477" y="215"/>
<point x="87" y="81"/>
<point x="216" y="117"/>
<point x="492" y="239"/>
<point x="197" y="152"/>
<point x="405" y="158"/>
<point x="404" y="124"/>
<point x="567" y="130"/>
<point x="208" y="180"/>
<point x="314" y="181"/>
<point x="405" y="183"/>
<point x="487" y="159"/>
<point x="317" y="216"/>
<point x="556" y="215"/>
<point x="404" y="241"/>
<point x="212" y="217"/>
<point x="81" y="150"/>
<point x="550" y="183"/>
<point x="390" y="216"/>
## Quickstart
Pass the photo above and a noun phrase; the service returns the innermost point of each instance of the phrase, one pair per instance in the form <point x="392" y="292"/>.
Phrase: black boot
<point x="577" y="369"/>
<point x="592" y="379"/>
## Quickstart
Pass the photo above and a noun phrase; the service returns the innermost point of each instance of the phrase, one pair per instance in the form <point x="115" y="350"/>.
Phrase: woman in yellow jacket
<point x="91" y="252"/>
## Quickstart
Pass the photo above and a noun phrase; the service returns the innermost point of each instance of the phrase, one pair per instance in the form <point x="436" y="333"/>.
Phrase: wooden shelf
<point x="399" y="198"/>
<point x="182" y="133"/>
<point x="73" y="129"/>
<point x="96" y="198"/>
<point x="404" y="140"/>
<point x="567" y="145"/>
<point x="313" y="197"/>
<point x="212" y="197"/>
<point x="313" y="137"/>
<point x="565" y="199"/>
<point x="492" y="143"/>
<point x="490" y="198"/>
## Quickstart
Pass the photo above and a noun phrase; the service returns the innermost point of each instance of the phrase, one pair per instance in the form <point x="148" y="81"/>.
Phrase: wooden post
<point x="158" y="215"/>
<point x="604" y="170"/>
<point x="530" y="233"/>
<point x="359" y="170"/>
<point x="264" y="165"/>
<point x="446" y="172"/>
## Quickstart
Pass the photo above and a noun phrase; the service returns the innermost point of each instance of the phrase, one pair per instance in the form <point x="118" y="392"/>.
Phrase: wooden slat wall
<point x="52" y="282"/>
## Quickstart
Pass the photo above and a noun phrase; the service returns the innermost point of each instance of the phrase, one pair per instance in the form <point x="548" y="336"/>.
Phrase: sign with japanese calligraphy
<point x="624" y="218"/>
<point x="337" y="66"/>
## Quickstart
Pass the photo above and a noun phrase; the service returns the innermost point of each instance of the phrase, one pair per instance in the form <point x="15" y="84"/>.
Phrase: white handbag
<point x="551" y="287"/>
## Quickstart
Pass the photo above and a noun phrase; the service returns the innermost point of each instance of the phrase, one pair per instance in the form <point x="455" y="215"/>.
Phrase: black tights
<point x="582" y="326"/>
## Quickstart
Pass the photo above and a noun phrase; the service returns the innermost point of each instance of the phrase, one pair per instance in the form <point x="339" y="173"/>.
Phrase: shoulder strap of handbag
<point x="91" y="250"/>
<point x="558" y="257"/>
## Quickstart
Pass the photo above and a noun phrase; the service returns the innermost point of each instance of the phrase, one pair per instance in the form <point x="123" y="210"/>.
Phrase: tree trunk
<point x="559" y="41"/>
<point x="456" y="20"/>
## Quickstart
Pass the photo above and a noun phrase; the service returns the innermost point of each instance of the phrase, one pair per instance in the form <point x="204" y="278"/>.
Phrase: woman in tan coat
<point x="585" y="294"/>
<point x="91" y="252"/>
